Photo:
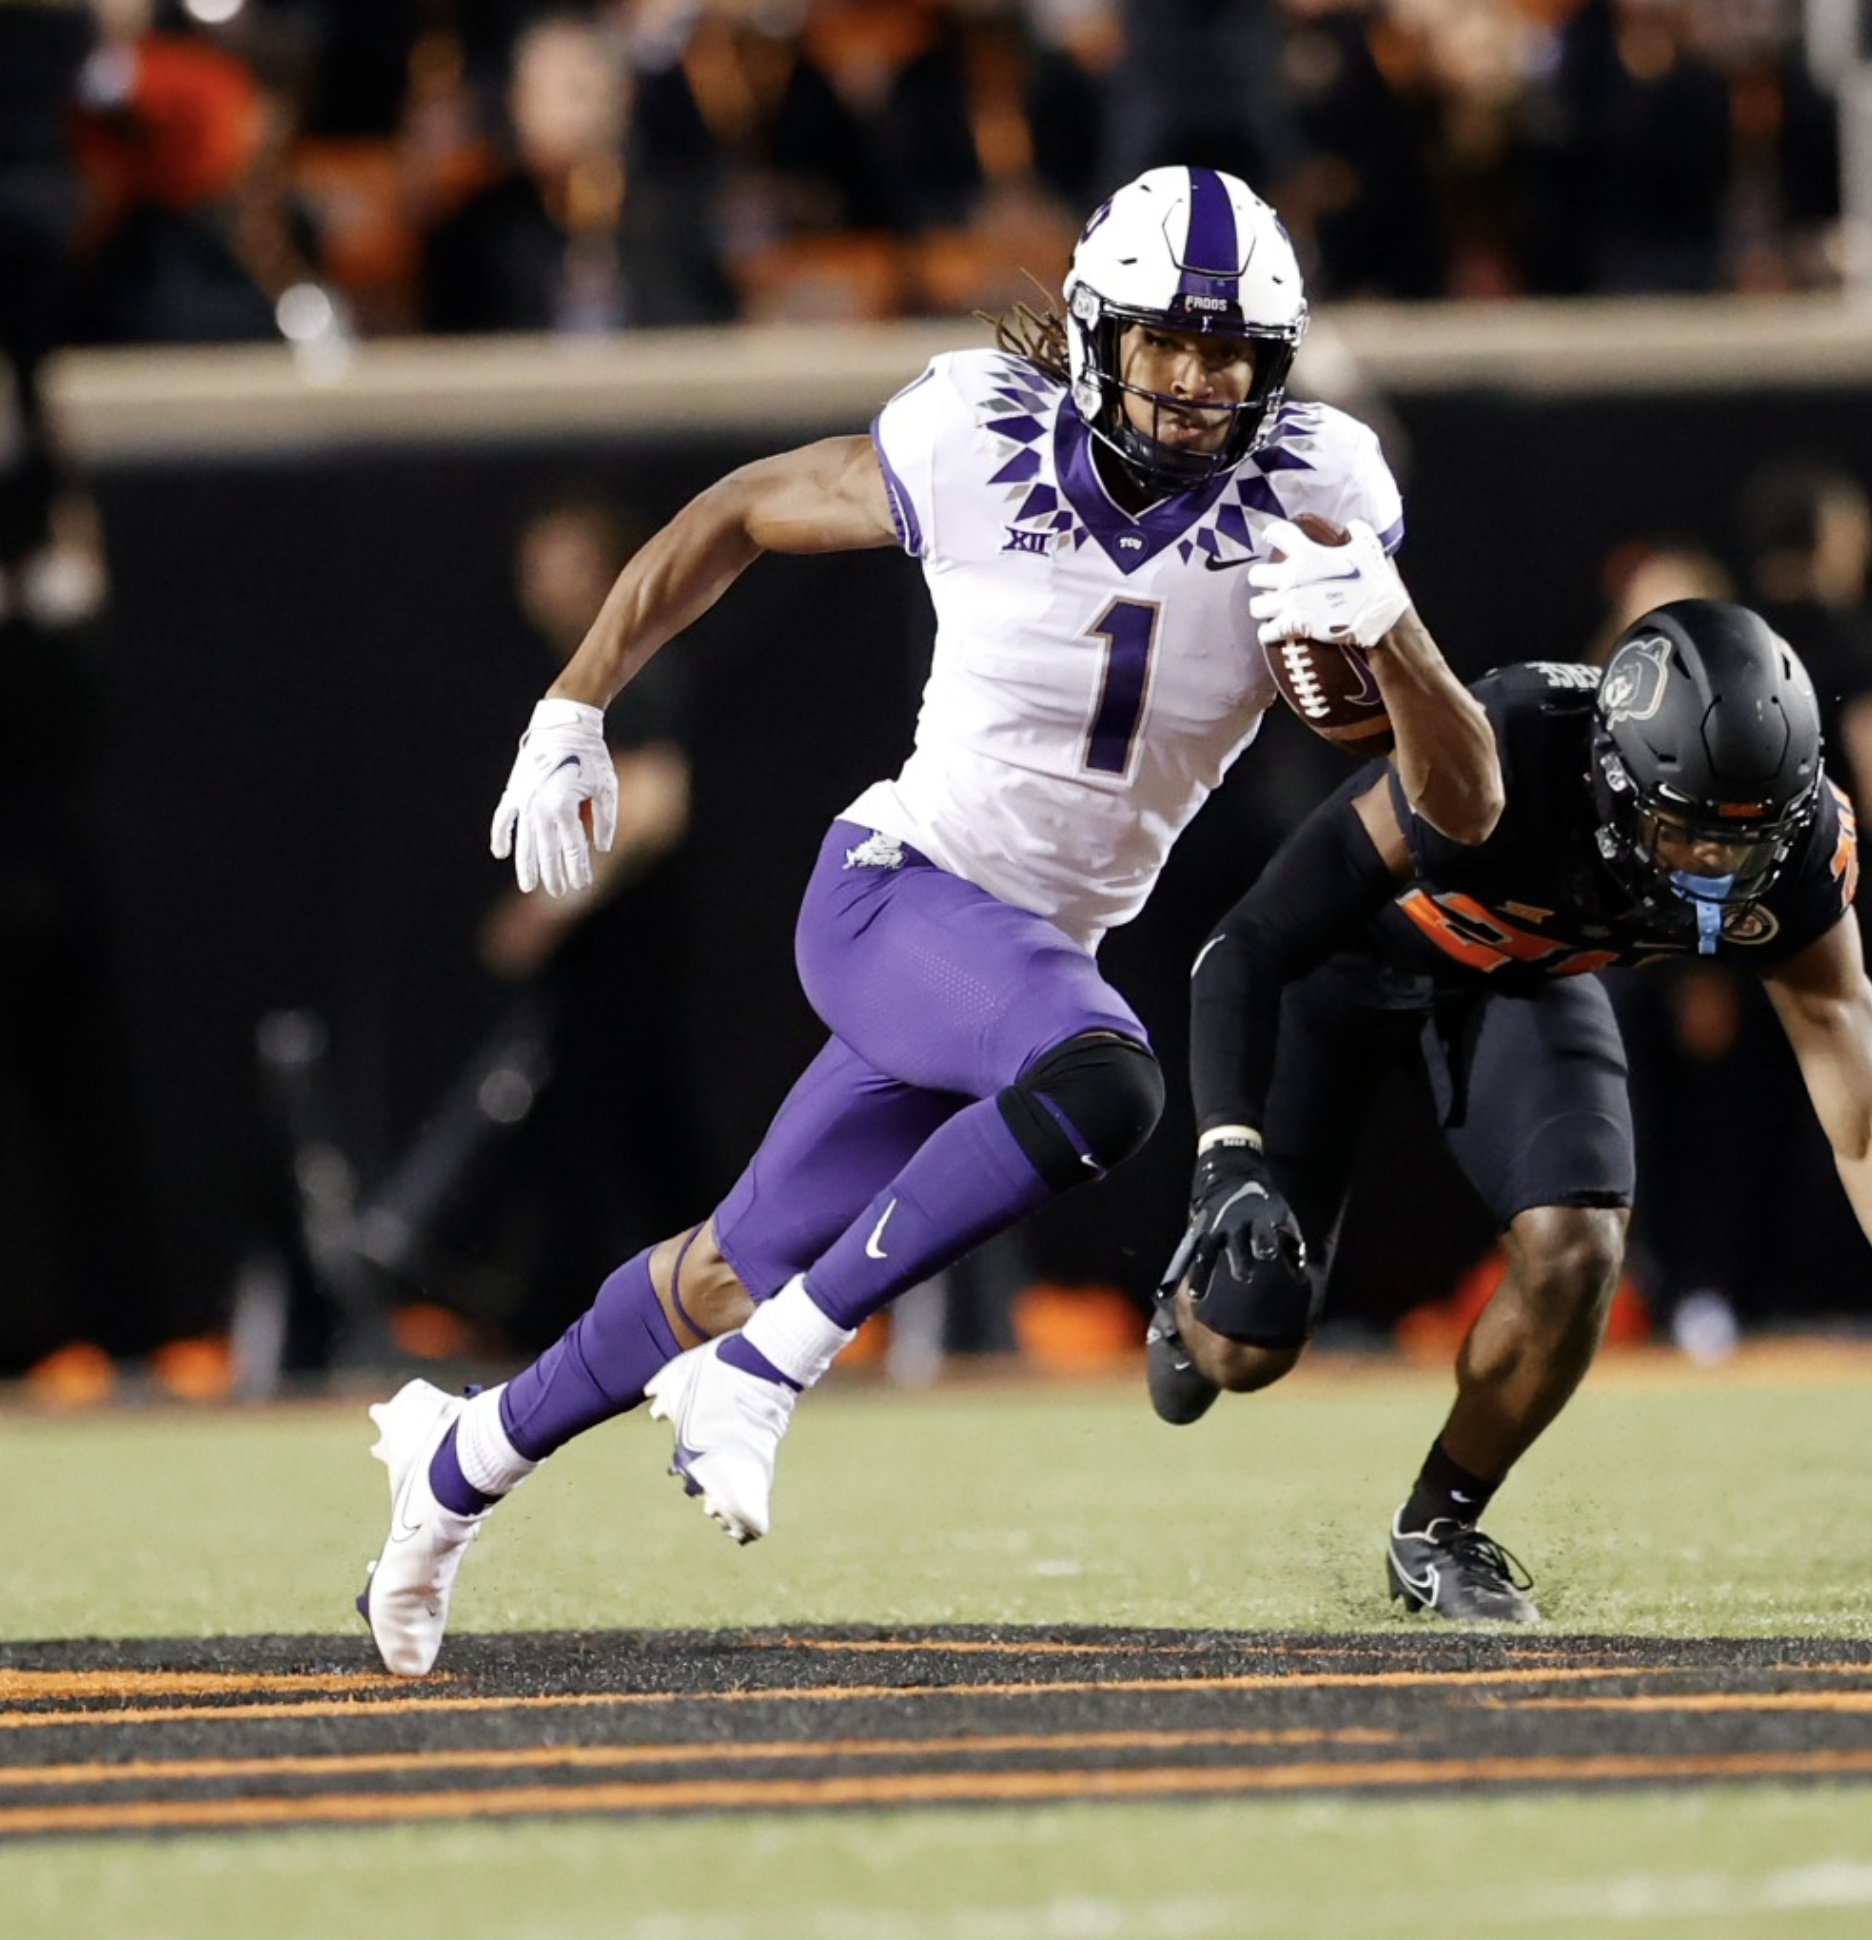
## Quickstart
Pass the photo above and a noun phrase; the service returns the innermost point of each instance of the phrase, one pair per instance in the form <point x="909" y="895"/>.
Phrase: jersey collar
<point x="1129" y="541"/>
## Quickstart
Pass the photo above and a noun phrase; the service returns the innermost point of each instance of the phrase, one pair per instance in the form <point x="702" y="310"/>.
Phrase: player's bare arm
<point x="561" y="800"/>
<point x="1825" y="1005"/>
<point x="1446" y="756"/>
<point x="823" y="497"/>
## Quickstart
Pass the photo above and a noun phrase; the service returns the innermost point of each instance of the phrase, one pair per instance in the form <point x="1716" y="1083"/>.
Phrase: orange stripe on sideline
<point x="694" y="1752"/>
<point x="803" y="1694"/>
<point x="929" y="1788"/>
<point x="1000" y="1647"/>
<point x="25" y="1687"/>
<point x="866" y="1693"/>
<point x="1709" y="1701"/>
<point x="1007" y="1647"/>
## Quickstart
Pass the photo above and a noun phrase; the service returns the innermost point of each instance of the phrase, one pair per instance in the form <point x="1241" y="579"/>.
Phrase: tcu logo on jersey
<point x="1634" y="686"/>
<point x="1019" y="541"/>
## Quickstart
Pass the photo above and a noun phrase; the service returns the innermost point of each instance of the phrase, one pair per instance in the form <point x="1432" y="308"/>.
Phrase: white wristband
<point x="556" y="712"/>
<point x="1228" y="1135"/>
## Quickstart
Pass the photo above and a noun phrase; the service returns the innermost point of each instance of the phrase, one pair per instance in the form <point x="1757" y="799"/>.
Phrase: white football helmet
<point x="1182" y="249"/>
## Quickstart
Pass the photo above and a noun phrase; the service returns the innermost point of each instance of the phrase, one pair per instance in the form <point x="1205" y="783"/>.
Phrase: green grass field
<point x="1666" y="1502"/>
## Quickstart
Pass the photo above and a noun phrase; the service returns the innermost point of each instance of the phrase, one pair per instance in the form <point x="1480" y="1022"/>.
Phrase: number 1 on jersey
<point x="1129" y="630"/>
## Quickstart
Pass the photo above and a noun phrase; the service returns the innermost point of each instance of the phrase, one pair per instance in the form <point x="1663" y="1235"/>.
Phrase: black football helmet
<point x="1705" y="758"/>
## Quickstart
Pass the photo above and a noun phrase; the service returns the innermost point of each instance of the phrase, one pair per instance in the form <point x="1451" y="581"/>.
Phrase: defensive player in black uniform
<point x="1676" y="805"/>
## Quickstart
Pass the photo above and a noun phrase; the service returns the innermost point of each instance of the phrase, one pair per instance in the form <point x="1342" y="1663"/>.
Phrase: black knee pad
<point x="1084" y="1107"/>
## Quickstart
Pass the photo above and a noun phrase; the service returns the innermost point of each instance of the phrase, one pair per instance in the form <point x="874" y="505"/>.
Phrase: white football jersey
<point x="1094" y="672"/>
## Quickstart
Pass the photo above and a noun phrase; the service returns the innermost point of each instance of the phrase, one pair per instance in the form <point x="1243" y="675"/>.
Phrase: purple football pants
<point x="889" y="1159"/>
<point x="937" y="996"/>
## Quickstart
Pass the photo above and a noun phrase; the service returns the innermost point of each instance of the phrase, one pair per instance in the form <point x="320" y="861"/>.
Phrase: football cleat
<point x="406" y="1594"/>
<point x="727" y="1424"/>
<point x="1178" y="1392"/>
<point x="1454" y="1570"/>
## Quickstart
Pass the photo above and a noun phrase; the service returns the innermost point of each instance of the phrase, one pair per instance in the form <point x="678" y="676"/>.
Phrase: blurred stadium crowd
<point x="228" y="169"/>
<point x="219" y="171"/>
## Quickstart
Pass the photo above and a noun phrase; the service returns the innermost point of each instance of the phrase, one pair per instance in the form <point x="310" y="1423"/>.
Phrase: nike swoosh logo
<point x="682" y="1466"/>
<point x="873" y="1249"/>
<point x="401" y="1530"/>
<point x="1425" y="1585"/>
<point x="1367" y="686"/>
<point x="1216" y="565"/>
<point x="1253" y="1190"/>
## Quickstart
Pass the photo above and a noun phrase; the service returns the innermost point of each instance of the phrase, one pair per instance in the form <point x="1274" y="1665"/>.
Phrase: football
<point x="1331" y="687"/>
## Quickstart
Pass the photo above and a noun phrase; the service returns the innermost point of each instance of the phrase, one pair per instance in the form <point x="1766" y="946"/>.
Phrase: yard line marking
<point x="1681" y="1896"/>
<point x="698" y="1751"/>
<point x="929" y="1788"/>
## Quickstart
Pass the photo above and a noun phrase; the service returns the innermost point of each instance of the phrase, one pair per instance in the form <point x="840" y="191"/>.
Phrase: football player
<point x="1675" y="806"/>
<point x="1083" y="499"/>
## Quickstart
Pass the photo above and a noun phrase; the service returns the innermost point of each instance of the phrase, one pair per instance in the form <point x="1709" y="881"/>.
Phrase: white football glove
<point x="1350" y="594"/>
<point x="563" y="763"/>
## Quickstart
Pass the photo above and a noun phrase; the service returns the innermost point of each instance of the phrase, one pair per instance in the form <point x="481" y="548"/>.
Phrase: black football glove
<point x="1239" y="1217"/>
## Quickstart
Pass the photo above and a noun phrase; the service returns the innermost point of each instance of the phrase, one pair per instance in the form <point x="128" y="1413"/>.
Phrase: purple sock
<point x="750" y="1360"/>
<point x="449" y="1485"/>
<point x="969" y="1179"/>
<point x="596" y="1369"/>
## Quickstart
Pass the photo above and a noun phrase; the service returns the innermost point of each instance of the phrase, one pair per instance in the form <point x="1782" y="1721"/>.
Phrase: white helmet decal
<point x="1633" y="689"/>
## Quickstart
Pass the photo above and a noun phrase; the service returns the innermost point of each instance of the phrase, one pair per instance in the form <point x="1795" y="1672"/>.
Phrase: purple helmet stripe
<point x="1213" y="247"/>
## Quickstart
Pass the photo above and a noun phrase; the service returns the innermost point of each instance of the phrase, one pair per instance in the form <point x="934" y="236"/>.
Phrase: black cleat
<point x="1177" y="1391"/>
<point x="1451" y="1568"/>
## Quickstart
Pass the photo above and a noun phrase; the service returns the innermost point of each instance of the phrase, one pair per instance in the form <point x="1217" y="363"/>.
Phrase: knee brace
<point x="1083" y="1107"/>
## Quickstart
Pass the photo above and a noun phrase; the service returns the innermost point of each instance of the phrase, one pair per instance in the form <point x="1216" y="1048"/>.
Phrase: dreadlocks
<point x="1037" y="335"/>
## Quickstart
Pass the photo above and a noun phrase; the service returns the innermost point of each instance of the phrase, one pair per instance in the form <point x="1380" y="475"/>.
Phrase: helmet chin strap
<point x="1154" y="467"/>
<point x="1144" y="457"/>
<point x="1705" y="895"/>
<point x="1149" y="481"/>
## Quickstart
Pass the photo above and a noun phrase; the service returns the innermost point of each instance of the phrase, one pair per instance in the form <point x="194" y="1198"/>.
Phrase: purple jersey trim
<point x="1392" y="536"/>
<point x="1128" y="542"/>
<point x="903" y="509"/>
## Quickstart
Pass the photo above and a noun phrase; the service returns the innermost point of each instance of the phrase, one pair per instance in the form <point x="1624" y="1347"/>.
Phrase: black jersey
<point x="1535" y="901"/>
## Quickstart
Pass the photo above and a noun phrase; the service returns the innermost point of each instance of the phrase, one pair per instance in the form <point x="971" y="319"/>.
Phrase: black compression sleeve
<point x="1322" y="886"/>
